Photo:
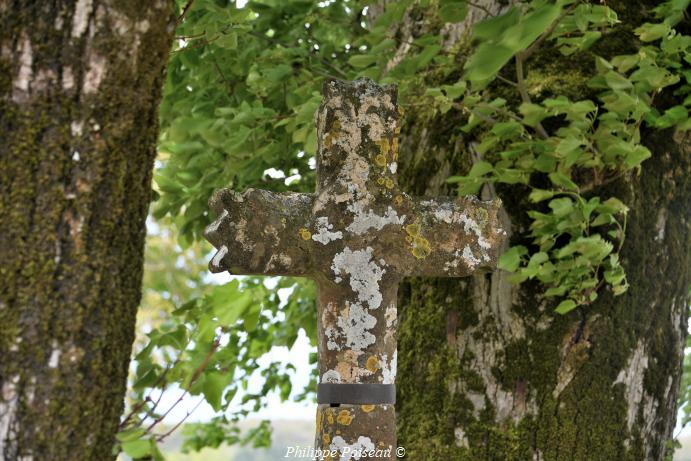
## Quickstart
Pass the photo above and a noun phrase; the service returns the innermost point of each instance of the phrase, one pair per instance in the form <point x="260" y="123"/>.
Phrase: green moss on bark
<point x="79" y="115"/>
<point x="564" y="378"/>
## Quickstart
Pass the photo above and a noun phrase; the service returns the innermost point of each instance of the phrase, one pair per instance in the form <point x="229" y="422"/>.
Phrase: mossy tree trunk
<point x="80" y="82"/>
<point x="487" y="371"/>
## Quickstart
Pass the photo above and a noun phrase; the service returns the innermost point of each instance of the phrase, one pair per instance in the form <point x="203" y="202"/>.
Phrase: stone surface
<point x="357" y="237"/>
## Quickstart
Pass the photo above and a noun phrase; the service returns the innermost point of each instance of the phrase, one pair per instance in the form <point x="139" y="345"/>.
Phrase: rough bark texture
<point x="80" y="82"/>
<point x="357" y="236"/>
<point x="487" y="370"/>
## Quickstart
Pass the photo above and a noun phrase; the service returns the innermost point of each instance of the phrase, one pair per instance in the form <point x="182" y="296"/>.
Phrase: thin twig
<point x="195" y="376"/>
<point x="525" y="96"/>
<point x="163" y="436"/>
<point x="481" y="7"/>
<point x="506" y="80"/>
<point x="184" y="11"/>
<point x="546" y="34"/>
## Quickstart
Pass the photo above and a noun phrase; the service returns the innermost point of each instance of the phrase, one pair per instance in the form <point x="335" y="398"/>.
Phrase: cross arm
<point x="260" y="232"/>
<point x="452" y="236"/>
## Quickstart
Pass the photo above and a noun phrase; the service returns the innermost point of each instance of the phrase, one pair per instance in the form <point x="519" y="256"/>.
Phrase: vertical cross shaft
<point x="357" y="236"/>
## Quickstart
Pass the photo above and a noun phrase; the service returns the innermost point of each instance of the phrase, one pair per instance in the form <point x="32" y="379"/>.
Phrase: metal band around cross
<point x="356" y="394"/>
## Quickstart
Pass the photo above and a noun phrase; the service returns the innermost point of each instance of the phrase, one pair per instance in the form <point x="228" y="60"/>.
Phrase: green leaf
<point x="361" y="61"/>
<point x="538" y="195"/>
<point x="637" y="156"/>
<point x="491" y="28"/>
<point x="650" y="32"/>
<point x="561" y="206"/>
<point x="228" y="41"/>
<point x="137" y="448"/>
<point x="560" y="179"/>
<point x="480" y="169"/>
<point x="251" y="318"/>
<point x="511" y="259"/>
<point x="130" y="434"/>
<point x="616" y="81"/>
<point x="507" y="130"/>
<point x="213" y="387"/>
<point x="565" y="306"/>
<point x="486" y="62"/>
<point x="532" y="113"/>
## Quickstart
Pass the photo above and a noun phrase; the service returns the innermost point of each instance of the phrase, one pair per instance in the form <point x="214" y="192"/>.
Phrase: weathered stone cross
<point x="357" y="237"/>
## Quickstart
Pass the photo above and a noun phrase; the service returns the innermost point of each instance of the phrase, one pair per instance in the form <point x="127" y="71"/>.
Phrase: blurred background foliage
<point x="243" y="84"/>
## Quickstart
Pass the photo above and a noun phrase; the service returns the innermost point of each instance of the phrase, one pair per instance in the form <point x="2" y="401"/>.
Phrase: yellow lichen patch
<point x="333" y="134"/>
<point x="421" y="247"/>
<point x="409" y="239"/>
<point x="412" y="229"/>
<point x="380" y="160"/>
<point x="372" y="364"/>
<point x="319" y="420"/>
<point x="326" y="439"/>
<point x="344" y="418"/>
<point x="330" y="417"/>
<point x="305" y="234"/>
<point x="384" y="146"/>
<point x="380" y="181"/>
<point x="398" y="200"/>
<point x="389" y="183"/>
<point x="368" y="408"/>
<point x="394" y="148"/>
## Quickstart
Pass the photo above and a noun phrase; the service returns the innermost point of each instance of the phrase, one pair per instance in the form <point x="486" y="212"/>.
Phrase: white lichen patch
<point x="54" y="359"/>
<point x="8" y="408"/>
<point x="80" y="19"/>
<point x="632" y="378"/>
<point x="331" y="376"/>
<point x="364" y="274"/>
<point x="391" y="315"/>
<point x="332" y="336"/>
<point x="366" y="220"/>
<point x="389" y="368"/>
<point x="444" y="214"/>
<point x="76" y="127"/>
<point x="349" y="136"/>
<point x="461" y="438"/>
<point x="279" y="260"/>
<point x="324" y="232"/>
<point x="26" y="61"/>
<point x="218" y="257"/>
<point x="449" y="266"/>
<point x="213" y="227"/>
<point x="94" y="74"/>
<point x="241" y="236"/>
<point x="356" y="451"/>
<point x="393" y="167"/>
<point x="470" y="225"/>
<point x="470" y="258"/>
<point x="354" y="324"/>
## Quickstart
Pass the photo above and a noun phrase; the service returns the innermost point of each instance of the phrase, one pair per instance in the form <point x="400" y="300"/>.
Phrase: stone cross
<point x="357" y="237"/>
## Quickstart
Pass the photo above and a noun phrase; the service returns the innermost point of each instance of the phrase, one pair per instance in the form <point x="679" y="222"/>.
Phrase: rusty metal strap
<point x="356" y="394"/>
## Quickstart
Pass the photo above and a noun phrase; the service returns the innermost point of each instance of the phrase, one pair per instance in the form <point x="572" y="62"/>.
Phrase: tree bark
<point x="487" y="370"/>
<point x="80" y="83"/>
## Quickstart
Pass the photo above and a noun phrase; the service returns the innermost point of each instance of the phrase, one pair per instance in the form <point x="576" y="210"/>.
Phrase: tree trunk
<point x="80" y="83"/>
<point x="488" y="370"/>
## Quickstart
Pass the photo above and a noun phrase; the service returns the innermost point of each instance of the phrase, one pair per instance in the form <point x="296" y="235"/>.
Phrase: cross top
<point x="357" y="236"/>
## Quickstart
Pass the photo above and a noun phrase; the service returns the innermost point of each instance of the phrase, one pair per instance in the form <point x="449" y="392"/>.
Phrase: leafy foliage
<point x="242" y="88"/>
